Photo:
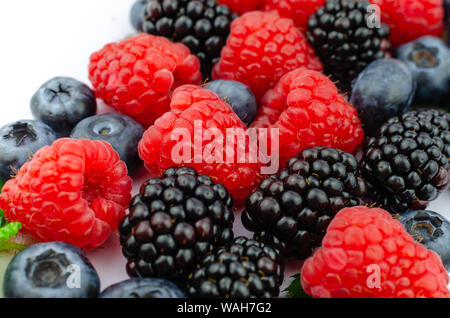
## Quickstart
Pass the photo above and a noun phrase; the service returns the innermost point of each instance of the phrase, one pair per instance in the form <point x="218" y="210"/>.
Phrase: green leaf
<point x="7" y="231"/>
<point x="295" y="289"/>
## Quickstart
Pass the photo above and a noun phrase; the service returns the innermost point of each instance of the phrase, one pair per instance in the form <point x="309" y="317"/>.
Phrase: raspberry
<point x="297" y="10"/>
<point x="74" y="191"/>
<point x="241" y="7"/>
<point x="363" y="243"/>
<point x="137" y="75"/>
<point x="308" y="111"/>
<point x="193" y="105"/>
<point x="410" y="19"/>
<point x="261" y="48"/>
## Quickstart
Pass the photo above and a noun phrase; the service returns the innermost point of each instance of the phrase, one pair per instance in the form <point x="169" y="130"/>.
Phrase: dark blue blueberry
<point x="136" y="17"/>
<point x="238" y="96"/>
<point x="429" y="60"/>
<point x="62" y="102"/>
<point x="430" y="229"/>
<point x="120" y="131"/>
<point x="143" y="288"/>
<point x="19" y="141"/>
<point x="384" y="89"/>
<point x="51" y="270"/>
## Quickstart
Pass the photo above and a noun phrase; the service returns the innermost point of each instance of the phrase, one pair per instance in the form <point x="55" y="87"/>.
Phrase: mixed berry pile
<point x="337" y="140"/>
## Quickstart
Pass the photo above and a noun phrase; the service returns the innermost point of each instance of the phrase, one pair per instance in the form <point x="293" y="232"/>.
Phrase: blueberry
<point x="384" y="89"/>
<point x="120" y="131"/>
<point x="143" y="288"/>
<point x="238" y="96"/>
<point x="51" y="270"/>
<point x="19" y="141"/>
<point x="62" y="102"/>
<point x="430" y="229"/>
<point x="429" y="60"/>
<point x="136" y="14"/>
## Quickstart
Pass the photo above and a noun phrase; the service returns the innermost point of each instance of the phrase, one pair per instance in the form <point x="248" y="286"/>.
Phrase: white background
<point x="41" y="39"/>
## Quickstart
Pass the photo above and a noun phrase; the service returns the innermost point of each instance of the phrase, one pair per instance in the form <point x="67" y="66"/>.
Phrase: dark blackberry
<point x="248" y="269"/>
<point x="202" y="25"/>
<point x="174" y="222"/>
<point x="293" y="210"/>
<point x="406" y="163"/>
<point x="341" y="34"/>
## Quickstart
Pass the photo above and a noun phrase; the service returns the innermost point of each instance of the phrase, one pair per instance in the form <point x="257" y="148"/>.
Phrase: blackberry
<point x="202" y="25"/>
<point x="293" y="209"/>
<point x="174" y="222"/>
<point x="248" y="269"/>
<point x="406" y="163"/>
<point x="344" y="39"/>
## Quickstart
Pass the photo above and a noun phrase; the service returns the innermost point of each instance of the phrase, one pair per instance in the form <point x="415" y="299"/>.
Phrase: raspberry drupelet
<point x="74" y="191"/>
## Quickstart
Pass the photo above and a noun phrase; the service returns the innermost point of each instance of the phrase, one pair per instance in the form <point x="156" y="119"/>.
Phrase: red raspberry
<point x="243" y="6"/>
<point x="137" y="75"/>
<point x="363" y="243"/>
<point x="297" y="10"/>
<point x="261" y="48"/>
<point x="308" y="111"/>
<point x="74" y="191"/>
<point x="192" y="103"/>
<point x="411" y="19"/>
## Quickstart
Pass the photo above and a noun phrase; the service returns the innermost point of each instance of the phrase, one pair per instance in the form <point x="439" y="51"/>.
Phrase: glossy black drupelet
<point x="202" y="25"/>
<point x="341" y="35"/>
<point x="174" y="222"/>
<point x="293" y="210"/>
<point x="248" y="269"/>
<point x="406" y="164"/>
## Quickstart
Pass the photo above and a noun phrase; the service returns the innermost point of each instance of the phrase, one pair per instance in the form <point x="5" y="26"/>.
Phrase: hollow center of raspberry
<point x="20" y="132"/>
<point x="48" y="269"/>
<point x="93" y="187"/>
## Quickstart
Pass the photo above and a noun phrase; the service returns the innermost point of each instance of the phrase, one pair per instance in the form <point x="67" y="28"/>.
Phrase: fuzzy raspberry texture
<point x="74" y="191"/>
<point x="308" y="111"/>
<point x="261" y="48"/>
<point x="297" y="10"/>
<point x="411" y="19"/>
<point x="366" y="253"/>
<point x="137" y="75"/>
<point x="182" y="137"/>
<point x="243" y="6"/>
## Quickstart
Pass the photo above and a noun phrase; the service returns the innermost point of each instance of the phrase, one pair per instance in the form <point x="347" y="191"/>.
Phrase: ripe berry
<point x="368" y="254"/>
<point x="241" y="7"/>
<point x="248" y="269"/>
<point x="44" y="271"/>
<point x="384" y="89"/>
<point x="120" y="131"/>
<point x="293" y="209"/>
<point x="238" y="96"/>
<point x="137" y="75"/>
<point x="428" y="58"/>
<point x="62" y="102"/>
<point x="74" y="191"/>
<point x="343" y="40"/>
<point x="261" y="48"/>
<point x="406" y="163"/>
<point x="174" y="222"/>
<point x="19" y="141"/>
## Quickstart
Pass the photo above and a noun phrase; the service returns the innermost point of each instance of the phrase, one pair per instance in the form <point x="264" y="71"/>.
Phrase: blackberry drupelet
<point x="202" y="25"/>
<point x="406" y="163"/>
<point x="248" y="269"/>
<point x="174" y="222"/>
<point x="293" y="209"/>
<point x="341" y="35"/>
